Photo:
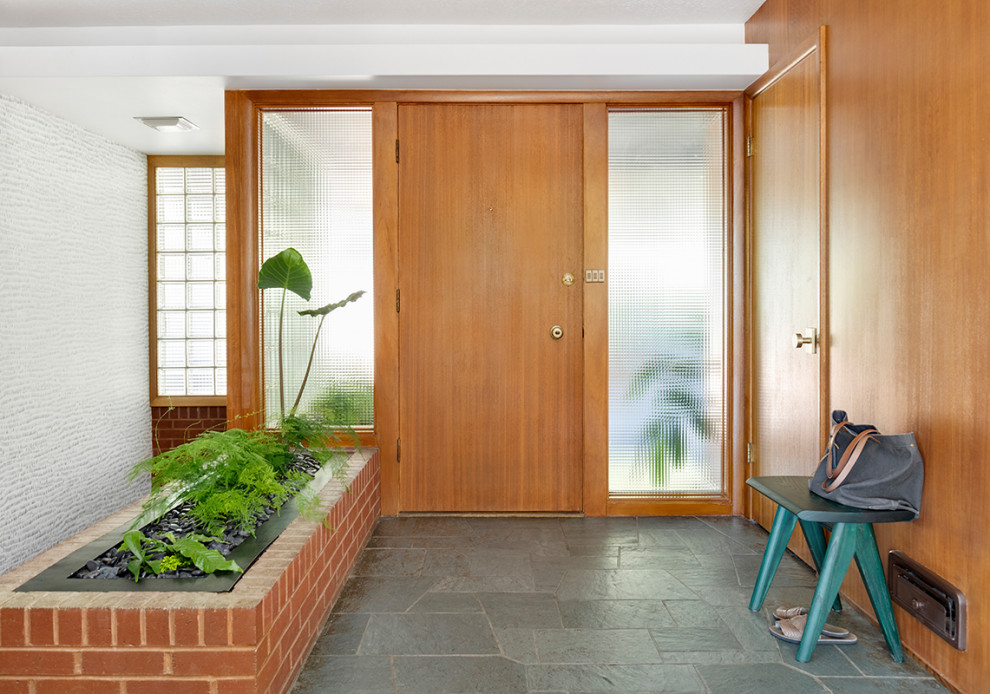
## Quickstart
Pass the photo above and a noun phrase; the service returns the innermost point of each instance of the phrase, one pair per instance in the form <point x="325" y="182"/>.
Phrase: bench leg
<point x="871" y="569"/>
<point x="841" y="548"/>
<point x="814" y="535"/>
<point x="780" y="532"/>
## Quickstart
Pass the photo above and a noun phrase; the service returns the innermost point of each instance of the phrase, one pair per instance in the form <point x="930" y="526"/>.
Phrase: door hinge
<point x="396" y="300"/>
<point x="749" y="147"/>
<point x="749" y="452"/>
<point x="398" y="450"/>
<point x="397" y="150"/>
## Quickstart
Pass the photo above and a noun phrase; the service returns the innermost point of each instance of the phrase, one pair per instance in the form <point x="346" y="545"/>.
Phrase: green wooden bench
<point x="852" y="537"/>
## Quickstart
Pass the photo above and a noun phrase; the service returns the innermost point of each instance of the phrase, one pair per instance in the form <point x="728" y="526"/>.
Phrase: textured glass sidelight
<point x="192" y="322"/>
<point x="666" y="289"/>
<point x="316" y="197"/>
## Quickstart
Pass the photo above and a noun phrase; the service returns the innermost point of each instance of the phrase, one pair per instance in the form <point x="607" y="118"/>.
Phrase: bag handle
<point x="849" y="458"/>
<point x="831" y="444"/>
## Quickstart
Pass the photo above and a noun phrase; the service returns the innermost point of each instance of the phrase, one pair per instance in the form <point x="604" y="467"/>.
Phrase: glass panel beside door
<point x="667" y="308"/>
<point x="316" y="197"/>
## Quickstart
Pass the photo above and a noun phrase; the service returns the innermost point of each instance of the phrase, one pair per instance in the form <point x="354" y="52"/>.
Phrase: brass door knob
<point x="556" y="332"/>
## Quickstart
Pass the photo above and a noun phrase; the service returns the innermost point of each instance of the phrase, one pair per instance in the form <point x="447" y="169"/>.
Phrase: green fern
<point x="232" y="476"/>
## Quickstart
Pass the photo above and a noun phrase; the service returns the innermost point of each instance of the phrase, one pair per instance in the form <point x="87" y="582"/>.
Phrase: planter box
<point x="252" y="640"/>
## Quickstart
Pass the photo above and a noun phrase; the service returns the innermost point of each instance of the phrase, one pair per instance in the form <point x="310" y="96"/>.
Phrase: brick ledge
<point x="253" y="639"/>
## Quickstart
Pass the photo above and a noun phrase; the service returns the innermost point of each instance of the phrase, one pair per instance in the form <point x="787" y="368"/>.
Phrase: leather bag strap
<point x="831" y="445"/>
<point x="849" y="458"/>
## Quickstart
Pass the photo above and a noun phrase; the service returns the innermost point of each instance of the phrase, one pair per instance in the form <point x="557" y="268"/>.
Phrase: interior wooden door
<point x="789" y="241"/>
<point x="490" y="220"/>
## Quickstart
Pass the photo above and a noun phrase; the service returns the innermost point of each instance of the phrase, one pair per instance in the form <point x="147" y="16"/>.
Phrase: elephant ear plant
<point x="290" y="273"/>
<point x="286" y="271"/>
<point x="227" y="482"/>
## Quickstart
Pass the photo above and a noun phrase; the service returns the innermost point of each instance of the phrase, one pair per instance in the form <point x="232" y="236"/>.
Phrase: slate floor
<point x="569" y="605"/>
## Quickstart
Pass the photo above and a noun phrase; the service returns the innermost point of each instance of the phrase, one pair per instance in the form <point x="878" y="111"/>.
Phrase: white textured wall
<point x="74" y="412"/>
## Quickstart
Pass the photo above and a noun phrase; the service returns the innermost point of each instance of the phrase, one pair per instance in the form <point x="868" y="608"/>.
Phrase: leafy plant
<point x="347" y="403"/>
<point x="288" y="271"/>
<point x="673" y="382"/>
<point x="236" y="478"/>
<point x="227" y="475"/>
<point x="322" y="312"/>
<point x="160" y="556"/>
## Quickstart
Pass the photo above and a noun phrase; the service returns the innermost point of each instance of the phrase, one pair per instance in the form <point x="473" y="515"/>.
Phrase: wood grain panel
<point x="737" y="432"/>
<point x="243" y="355"/>
<point x="490" y="201"/>
<point x="787" y="237"/>
<point x="595" y="310"/>
<point x="306" y="98"/>
<point x="385" y="130"/>
<point x="669" y="506"/>
<point x="909" y="195"/>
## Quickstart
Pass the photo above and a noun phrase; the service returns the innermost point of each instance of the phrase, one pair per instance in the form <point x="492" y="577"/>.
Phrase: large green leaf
<point x="287" y="270"/>
<point x="324" y="310"/>
<point x="205" y="559"/>
<point x="132" y="542"/>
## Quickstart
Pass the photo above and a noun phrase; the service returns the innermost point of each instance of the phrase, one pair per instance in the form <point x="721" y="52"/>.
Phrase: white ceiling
<point x="88" y="13"/>
<point x="100" y="63"/>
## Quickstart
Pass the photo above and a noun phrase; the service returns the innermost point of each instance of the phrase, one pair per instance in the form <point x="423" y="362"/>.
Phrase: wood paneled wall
<point x="909" y="199"/>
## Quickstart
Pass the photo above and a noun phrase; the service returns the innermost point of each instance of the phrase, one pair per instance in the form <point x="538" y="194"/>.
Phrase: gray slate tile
<point x="521" y="610"/>
<point x="381" y="594"/>
<point x="428" y="634"/>
<point x="602" y="646"/>
<point x="667" y="613"/>
<point x="615" y="614"/>
<point x="346" y="675"/>
<point x="695" y="639"/>
<point x="757" y="679"/>
<point x="342" y="635"/>
<point x="459" y="675"/>
<point x="619" y="679"/>
<point x="617" y="584"/>
<point x="884" y="685"/>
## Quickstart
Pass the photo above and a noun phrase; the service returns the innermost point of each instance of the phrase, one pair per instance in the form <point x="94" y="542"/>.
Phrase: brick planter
<point x="252" y="640"/>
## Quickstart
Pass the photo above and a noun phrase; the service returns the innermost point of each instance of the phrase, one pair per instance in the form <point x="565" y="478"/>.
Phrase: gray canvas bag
<point x="866" y="469"/>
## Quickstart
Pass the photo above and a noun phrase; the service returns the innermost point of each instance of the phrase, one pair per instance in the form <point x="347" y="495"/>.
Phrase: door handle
<point x="808" y="340"/>
<point x="556" y="332"/>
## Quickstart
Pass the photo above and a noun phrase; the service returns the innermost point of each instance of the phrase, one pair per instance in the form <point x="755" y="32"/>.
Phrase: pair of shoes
<point x="792" y="629"/>
<point x="792" y="612"/>
<point x="788" y="612"/>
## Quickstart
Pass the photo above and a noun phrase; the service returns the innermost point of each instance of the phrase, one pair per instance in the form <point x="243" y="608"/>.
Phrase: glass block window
<point x="189" y="321"/>
<point x="666" y="292"/>
<point x="316" y="197"/>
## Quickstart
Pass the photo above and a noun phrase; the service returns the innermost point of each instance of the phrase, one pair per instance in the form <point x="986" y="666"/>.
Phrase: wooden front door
<point x="788" y="246"/>
<point x="490" y="220"/>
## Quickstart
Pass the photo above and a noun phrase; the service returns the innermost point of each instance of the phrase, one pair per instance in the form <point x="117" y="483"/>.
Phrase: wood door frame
<point x="816" y="45"/>
<point x="243" y="110"/>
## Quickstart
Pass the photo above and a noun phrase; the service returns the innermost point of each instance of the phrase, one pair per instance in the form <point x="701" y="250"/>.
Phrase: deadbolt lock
<point x="556" y="332"/>
<point x="567" y="280"/>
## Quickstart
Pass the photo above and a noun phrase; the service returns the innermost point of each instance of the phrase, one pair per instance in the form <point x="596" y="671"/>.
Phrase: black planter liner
<point x="58" y="576"/>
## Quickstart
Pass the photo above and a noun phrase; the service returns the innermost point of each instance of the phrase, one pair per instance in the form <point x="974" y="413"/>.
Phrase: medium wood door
<point x="788" y="243"/>
<point x="490" y="219"/>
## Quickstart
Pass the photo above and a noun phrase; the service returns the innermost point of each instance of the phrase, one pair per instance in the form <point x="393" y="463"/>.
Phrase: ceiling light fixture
<point x="168" y="124"/>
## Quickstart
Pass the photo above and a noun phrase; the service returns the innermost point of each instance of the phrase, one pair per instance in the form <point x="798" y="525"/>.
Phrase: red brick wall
<point x="253" y="640"/>
<point x="175" y="425"/>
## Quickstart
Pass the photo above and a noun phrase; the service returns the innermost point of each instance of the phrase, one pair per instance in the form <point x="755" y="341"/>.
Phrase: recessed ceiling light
<point x="168" y="124"/>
